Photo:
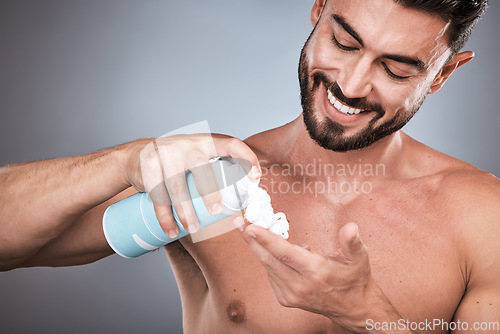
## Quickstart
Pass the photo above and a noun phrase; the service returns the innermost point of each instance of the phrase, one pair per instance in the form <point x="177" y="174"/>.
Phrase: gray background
<point x="78" y="76"/>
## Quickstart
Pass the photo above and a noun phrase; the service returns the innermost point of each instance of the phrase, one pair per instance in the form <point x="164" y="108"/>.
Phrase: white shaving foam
<point x="260" y="211"/>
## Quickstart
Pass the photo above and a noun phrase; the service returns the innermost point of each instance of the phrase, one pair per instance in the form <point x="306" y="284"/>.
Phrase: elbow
<point x="11" y="265"/>
<point x="10" y="259"/>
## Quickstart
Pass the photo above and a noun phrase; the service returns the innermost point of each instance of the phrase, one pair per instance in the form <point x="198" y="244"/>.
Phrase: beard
<point x="330" y="134"/>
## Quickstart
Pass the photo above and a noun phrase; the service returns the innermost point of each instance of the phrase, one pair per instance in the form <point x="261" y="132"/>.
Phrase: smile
<point x="346" y="110"/>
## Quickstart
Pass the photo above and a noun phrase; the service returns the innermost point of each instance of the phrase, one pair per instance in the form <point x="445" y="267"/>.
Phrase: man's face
<point x="366" y="69"/>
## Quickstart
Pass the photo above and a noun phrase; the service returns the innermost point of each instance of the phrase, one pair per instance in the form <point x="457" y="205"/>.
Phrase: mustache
<point x="358" y="103"/>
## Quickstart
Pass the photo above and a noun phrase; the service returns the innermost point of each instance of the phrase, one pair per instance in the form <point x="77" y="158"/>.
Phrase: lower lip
<point x="334" y="114"/>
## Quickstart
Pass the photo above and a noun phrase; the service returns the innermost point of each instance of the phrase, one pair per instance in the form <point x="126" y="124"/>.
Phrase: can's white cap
<point x="234" y="185"/>
<point x="239" y="191"/>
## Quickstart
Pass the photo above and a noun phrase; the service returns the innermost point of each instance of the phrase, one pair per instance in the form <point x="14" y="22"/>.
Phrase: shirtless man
<point x="420" y="245"/>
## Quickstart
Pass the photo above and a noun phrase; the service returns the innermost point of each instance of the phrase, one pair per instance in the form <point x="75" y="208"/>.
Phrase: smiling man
<point x="429" y="224"/>
<point x="370" y="73"/>
<point x="391" y="251"/>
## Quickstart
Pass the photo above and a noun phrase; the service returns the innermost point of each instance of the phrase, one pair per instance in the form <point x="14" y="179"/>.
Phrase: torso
<point x="409" y="231"/>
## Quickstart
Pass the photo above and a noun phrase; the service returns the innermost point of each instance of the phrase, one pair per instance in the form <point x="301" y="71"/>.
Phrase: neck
<point x="302" y="149"/>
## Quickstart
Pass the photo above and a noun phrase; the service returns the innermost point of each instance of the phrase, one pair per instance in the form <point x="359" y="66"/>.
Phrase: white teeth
<point x="345" y="109"/>
<point x="341" y="107"/>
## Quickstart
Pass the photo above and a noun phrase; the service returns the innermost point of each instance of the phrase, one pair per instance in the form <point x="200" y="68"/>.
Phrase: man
<point x="423" y="245"/>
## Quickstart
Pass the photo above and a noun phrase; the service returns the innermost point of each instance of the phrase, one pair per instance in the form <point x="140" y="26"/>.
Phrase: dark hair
<point x="462" y="16"/>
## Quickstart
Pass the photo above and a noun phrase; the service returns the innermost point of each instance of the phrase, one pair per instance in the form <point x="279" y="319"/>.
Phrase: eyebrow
<point x="407" y="60"/>
<point x="399" y="58"/>
<point x="340" y="20"/>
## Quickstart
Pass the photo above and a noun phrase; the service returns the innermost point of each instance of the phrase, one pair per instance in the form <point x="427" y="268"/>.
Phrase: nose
<point x="355" y="79"/>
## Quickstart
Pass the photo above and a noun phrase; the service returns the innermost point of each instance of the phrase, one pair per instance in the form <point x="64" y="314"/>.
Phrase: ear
<point x="316" y="11"/>
<point x="458" y="60"/>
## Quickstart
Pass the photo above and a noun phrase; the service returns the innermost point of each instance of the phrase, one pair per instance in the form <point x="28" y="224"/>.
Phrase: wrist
<point x="374" y="307"/>
<point x="129" y="162"/>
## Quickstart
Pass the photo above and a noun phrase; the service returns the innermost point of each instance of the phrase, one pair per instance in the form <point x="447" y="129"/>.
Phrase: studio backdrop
<point x="79" y="76"/>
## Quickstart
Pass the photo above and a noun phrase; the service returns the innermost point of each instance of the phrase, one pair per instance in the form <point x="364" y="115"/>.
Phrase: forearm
<point x="39" y="200"/>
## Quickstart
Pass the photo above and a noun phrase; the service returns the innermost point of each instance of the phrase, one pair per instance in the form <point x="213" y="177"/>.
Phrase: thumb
<point x="350" y="242"/>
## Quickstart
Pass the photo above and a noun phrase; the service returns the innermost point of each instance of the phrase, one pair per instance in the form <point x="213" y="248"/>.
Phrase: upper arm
<point x="82" y="242"/>
<point x="479" y="309"/>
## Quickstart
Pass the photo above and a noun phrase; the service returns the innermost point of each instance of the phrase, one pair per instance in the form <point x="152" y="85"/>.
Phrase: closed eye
<point x="342" y="46"/>
<point x="391" y="74"/>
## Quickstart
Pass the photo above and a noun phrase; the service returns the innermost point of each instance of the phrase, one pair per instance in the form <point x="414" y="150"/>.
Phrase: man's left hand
<point x="338" y="285"/>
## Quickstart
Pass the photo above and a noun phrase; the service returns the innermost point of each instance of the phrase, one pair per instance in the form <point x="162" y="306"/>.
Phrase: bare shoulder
<point x="474" y="221"/>
<point x="467" y="201"/>
<point x="456" y="178"/>
<point x="471" y="186"/>
<point x="463" y="186"/>
<point x="269" y="145"/>
<point x="472" y="197"/>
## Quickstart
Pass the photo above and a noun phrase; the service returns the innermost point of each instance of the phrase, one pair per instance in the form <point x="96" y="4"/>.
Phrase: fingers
<point x="350" y="242"/>
<point x="153" y="181"/>
<point x="166" y="219"/>
<point x="286" y="279"/>
<point x="306" y="247"/>
<point x="165" y="181"/>
<point x="181" y="201"/>
<point x="239" y="151"/>
<point x="274" y="265"/>
<point x="206" y="184"/>
<point x="164" y="163"/>
<point x="239" y="222"/>
<point x="163" y="210"/>
<point x="291" y="255"/>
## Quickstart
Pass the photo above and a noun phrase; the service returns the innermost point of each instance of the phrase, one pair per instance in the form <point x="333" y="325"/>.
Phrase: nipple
<point x="236" y="311"/>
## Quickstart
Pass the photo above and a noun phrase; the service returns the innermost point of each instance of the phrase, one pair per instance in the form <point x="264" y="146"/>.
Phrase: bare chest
<point x="411" y="241"/>
<point x="412" y="259"/>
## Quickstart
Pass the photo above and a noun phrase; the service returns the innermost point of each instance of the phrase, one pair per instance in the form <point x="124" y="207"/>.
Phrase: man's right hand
<point x="159" y="168"/>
